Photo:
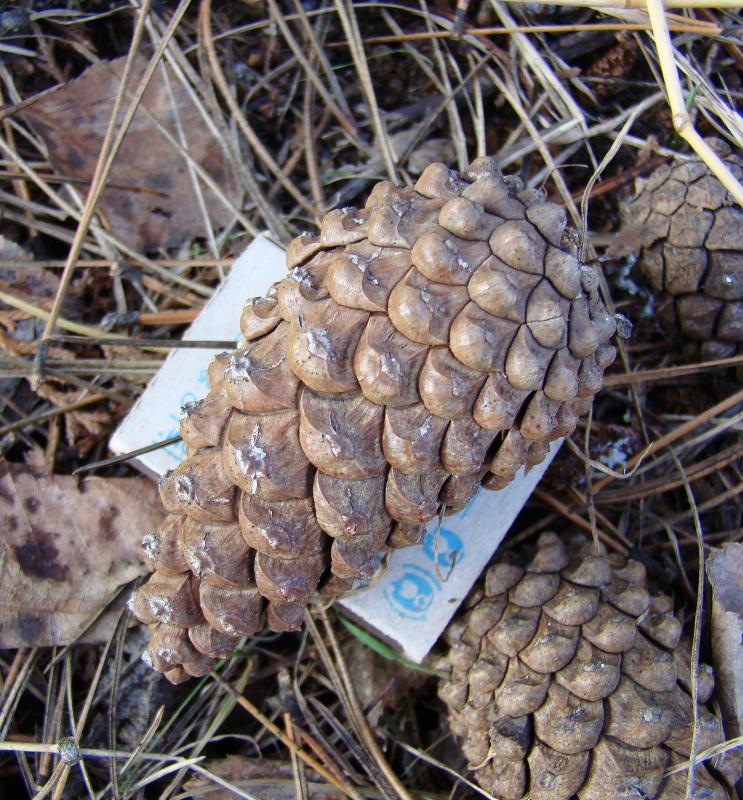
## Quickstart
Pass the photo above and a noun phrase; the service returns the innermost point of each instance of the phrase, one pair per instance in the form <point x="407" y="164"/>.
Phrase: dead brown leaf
<point x="67" y="547"/>
<point x="725" y="574"/>
<point x="158" y="208"/>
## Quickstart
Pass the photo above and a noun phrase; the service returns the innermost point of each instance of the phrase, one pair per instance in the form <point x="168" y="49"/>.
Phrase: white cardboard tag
<point x="412" y="601"/>
<point x="182" y="377"/>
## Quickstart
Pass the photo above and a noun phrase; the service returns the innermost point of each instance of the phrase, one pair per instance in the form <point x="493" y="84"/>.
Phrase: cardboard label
<point x="182" y="378"/>
<point x="418" y="590"/>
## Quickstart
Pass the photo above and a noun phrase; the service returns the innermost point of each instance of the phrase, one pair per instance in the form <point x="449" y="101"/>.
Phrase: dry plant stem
<point x="61" y="322"/>
<point x="681" y="119"/>
<point x="361" y="721"/>
<point x="253" y="710"/>
<point x="310" y="71"/>
<point x="310" y="151"/>
<point x="334" y="682"/>
<point x="102" y="167"/>
<point x="641" y="4"/>
<point x="709" y="505"/>
<point x="79" y="725"/>
<point x="10" y="111"/>
<point x="605" y="522"/>
<point x="690" y="26"/>
<point x="45" y="415"/>
<point x="316" y="43"/>
<point x="108" y="263"/>
<point x="697" y="635"/>
<point x="247" y="130"/>
<point x="670" y="373"/>
<point x="300" y="783"/>
<point x="23" y="664"/>
<point x="678" y="433"/>
<point x="697" y="471"/>
<point x="350" y="27"/>
<point x="423" y="756"/>
<point x="108" y="238"/>
<point x="215" y="721"/>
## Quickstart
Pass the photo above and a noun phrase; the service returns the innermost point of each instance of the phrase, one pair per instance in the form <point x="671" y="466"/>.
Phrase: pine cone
<point x="690" y="232"/>
<point x="435" y="339"/>
<point x="566" y="678"/>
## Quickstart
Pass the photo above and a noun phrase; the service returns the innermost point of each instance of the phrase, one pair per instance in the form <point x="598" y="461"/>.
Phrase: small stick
<point x="622" y="379"/>
<point x="176" y="316"/>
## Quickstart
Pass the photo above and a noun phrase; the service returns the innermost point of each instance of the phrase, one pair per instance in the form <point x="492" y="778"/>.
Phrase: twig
<point x="666" y="373"/>
<point x="109" y="147"/>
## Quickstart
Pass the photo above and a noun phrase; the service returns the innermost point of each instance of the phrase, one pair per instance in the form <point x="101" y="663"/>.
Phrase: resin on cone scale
<point x="437" y="339"/>
<point x="566" y="678"/>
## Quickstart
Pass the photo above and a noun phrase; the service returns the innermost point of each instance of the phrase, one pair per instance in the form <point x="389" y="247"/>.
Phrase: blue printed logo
<point x="412" y="593"/>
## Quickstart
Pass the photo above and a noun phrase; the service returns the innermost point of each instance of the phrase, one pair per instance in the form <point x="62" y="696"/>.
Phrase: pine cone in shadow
<point x="688" y="234"/>
<point x="437" y="338"/>
<point x="568" y="679"/>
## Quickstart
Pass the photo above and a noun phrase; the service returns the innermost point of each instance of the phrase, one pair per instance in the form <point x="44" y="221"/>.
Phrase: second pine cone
<point x="567" y="679"/>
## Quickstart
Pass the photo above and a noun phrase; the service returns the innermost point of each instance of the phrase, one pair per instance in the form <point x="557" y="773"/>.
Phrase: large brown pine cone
<point x="566" y="678"/>
<point x="688" y="233"/>
<point x="437" y="338"/>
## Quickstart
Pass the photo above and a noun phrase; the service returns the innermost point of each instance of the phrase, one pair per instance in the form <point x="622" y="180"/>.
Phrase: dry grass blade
<point x="310" y="71"/>
<point x="111" y="144"/>
<point x="245" y="127"/>
<point x="697" y="634"/>
<point x="641" y="4"/>
<point x="681" y="118"/>
<point x="347" y="16"/>
<point x="358" y="717"/>
<point x="243" y="702"/>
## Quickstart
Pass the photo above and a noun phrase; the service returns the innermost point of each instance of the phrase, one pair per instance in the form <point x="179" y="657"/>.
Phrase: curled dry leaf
<point x="725" y="574"/>
<point x="67" y="547"/>
<point x="150" y="200"/>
